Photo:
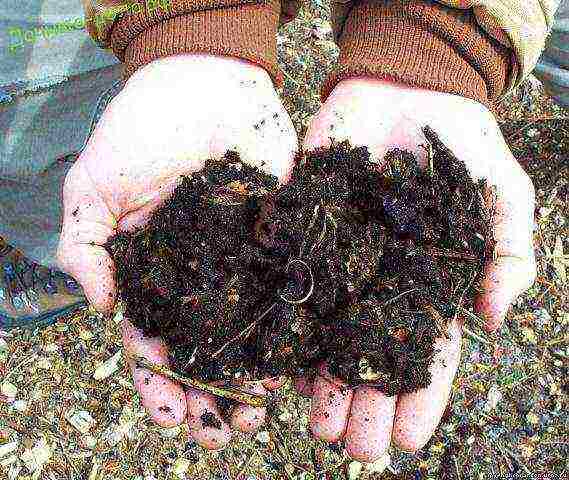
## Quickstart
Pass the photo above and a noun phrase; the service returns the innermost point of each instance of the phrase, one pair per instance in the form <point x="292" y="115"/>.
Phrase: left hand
<point x="383" y="115"/>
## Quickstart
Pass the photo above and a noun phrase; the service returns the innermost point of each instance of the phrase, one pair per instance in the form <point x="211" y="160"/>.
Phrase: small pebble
<point x="379" y="465"/>
<point x="285" y="416"/>
<point x="9" y="390"/>
<point x="532" y="418"/>
<point x="35" y="458"/>
<point x="7" y="448"/>
<point x="181" y="467"/>
<point x="494" y="397"/>
<point x="170" y="432"/>
<point x="354" y="470"/>
<point x="88" y="441"/>
<point x="81" y="421"/>
<point x="107" y="368"/>
<point x="263" y="437"/>
<point x="43" y="363"/>
<point x="118" y="318"/>
<point x="20" y="405"/>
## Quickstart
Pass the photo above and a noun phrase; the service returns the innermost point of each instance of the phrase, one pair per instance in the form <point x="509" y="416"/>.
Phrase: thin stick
<point x="437" y="318"/>
<point x="470" y="314"/>
<point x="514" y="457"/>
<point x="397" y="297"/>
<point x="322" y="234"/>
<point x="444" y="253"/>
<point x="456" y="468"/>
<point x="474" y="336"/>
<point x="459" y="306"/>
<point x="231" y="394"/>
<point x="245" y="332"/>
<point x="309" y="228"/>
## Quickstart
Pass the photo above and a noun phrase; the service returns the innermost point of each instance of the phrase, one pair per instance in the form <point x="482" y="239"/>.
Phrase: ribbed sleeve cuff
<point x="421" y="44"/>
<point x="243" y="30"/>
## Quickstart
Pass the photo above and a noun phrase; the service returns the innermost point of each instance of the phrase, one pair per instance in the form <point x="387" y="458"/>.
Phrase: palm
<point x="382" y="116"/>
<point x="172" y="116"/>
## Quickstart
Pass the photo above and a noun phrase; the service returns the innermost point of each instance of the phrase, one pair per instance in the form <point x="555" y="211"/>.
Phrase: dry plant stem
<point x="245" y="333"/>
<point x="397" y="297"/>
<point x="237" y="395"/>
<point x="441" y="252"/>
<point x="474" y="336"/>
<point x="437" y="318"/>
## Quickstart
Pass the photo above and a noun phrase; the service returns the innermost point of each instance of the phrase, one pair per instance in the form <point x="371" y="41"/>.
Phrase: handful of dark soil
<point x="346" y="264"/>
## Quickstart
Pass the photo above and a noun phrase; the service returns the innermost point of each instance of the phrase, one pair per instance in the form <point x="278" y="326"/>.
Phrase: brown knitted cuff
<point x="235" y="28"/>
<point x="421" y="44"/>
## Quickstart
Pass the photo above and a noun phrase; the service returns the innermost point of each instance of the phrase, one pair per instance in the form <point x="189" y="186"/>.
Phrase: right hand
<point x="382" y="115"/>
<point x="171" y="116"/>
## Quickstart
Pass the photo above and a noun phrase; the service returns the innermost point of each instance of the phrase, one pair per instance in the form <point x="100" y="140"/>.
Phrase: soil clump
<point x="358" y="266"/>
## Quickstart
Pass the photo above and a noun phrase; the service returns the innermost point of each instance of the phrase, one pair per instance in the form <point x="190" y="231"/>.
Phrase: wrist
<point x="199" y="71"/>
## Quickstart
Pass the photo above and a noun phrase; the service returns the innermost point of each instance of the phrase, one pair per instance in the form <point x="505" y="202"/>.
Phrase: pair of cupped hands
<point x="178" y="111"/>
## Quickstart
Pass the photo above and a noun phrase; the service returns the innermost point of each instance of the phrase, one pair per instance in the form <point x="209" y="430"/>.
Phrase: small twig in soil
<point x="474" y="336"/>
<point x="459" y="305"/>
<point x="441" y="252"/>
<point x="456" y="468"/>
<point x="437" y="318"/>
<point x="321" y="236"/>
<point x="309" y="228"/>
<point x="237" y="395"/>
<point x="468" y="313"/>
<point x="514" y="457"/>
<point x="397" y="297"/>
<point x="244" y="333"/>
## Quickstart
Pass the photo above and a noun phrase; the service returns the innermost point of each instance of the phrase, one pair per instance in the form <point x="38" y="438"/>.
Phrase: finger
<point x="205" y="421"/>
<point x="418" y="414"/>
<point x="87" y="225"/>
<point x="371" y="421"/>
<point x="330" y="408"/>
<point x="513" y="270"/>
<point x="304" y="386"/>
<point x="245" y="418"/>
<point x="163" y="398"/>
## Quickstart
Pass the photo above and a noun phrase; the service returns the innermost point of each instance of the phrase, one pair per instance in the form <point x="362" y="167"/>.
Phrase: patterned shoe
<point x="32" y="295"/>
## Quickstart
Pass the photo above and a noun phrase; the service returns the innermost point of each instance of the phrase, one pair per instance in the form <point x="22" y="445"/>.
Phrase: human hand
<point x="170" y="117"/>
<point x="384" y="115"/>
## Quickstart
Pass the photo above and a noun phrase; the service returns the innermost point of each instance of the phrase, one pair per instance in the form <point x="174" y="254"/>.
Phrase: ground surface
<point x="507" y="418"/>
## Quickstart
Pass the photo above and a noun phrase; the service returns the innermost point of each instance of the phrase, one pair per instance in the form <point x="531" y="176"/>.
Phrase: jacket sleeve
<point x="516" y="29"/>
<point x="141" y="31"/>
<point x="553" y="66"/>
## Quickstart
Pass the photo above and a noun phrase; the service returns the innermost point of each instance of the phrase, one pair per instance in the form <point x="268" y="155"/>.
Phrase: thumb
<point x="513" y="270"/>
<point x="504" y="280"/>
<point x="87" y="225"/>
